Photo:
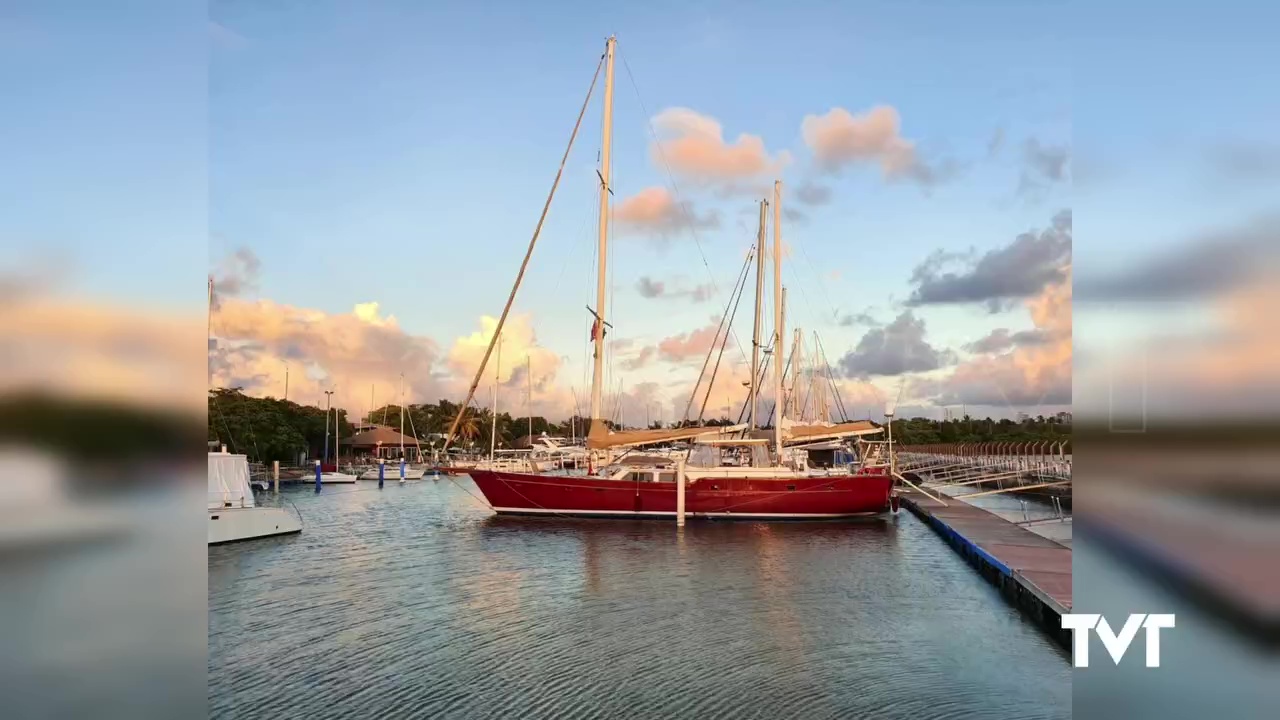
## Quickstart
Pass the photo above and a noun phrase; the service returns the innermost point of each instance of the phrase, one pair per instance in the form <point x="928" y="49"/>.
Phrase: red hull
<point x="781" y="498"/>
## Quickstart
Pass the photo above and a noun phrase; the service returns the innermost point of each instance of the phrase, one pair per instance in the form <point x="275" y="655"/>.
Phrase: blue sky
<point x="400" y="152"/>
<point x="387" y="151"/>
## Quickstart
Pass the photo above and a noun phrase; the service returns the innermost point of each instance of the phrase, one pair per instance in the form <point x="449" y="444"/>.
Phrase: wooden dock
<point x="1033" y="572"/>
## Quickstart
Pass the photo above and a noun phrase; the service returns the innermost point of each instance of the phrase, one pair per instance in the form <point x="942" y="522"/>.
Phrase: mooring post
<point x="680" y="491"/>
<point x="275" y="475"/>
<point x="318" y="476"/>
<point x="401" y="470"/>
<point x="382" y="472"/>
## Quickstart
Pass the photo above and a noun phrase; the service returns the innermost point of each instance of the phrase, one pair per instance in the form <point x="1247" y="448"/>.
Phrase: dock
<point x="1032" y="572"/>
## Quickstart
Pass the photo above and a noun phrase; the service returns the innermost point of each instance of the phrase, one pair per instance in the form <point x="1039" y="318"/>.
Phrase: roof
<point x="379" y="436"/>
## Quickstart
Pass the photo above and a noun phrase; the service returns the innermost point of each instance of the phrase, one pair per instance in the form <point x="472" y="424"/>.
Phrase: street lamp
<point x="328" y="396"/>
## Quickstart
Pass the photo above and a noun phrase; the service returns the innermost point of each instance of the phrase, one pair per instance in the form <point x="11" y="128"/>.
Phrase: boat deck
<point x="1034" y="572"/>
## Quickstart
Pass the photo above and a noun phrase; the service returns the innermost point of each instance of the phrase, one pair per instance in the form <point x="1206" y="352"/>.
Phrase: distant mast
<point x="777" y="309"/>
<point x="755" y="333"/>
<point x="606" y="152"/>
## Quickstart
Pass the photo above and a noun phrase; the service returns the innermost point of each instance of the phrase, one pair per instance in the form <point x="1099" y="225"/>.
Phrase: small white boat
<point x="233" y="514"/>
<point x="392" y="472"/>
<point x="337" y="478"/>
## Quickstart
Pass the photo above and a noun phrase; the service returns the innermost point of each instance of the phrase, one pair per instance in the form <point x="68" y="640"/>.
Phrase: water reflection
<point x="553" y="617"/>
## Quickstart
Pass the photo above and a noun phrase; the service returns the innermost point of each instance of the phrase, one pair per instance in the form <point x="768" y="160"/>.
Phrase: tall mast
<point x="777" y="307"/>
<point x="606" y="152"/>
<point x="795" y="373"/>
<point x="529" y="373"/>
<point x="755" y="333"/>
<point x="493" y="428"/>
<point x="401" y="416"/>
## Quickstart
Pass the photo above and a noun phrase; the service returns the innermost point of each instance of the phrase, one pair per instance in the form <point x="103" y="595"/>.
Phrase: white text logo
<point x="1116" y="644"/>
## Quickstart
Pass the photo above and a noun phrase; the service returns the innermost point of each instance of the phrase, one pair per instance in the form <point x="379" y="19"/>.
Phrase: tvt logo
<point x="1081" y="623"/>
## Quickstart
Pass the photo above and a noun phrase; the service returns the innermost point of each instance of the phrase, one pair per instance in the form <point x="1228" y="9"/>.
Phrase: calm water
<point x="416" y="602"/>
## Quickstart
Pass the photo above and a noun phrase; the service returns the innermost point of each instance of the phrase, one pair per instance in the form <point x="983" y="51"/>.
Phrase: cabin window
<point x="667" y="477"/>
<point x="704" y="456"/>
<point x="639" y="476"/>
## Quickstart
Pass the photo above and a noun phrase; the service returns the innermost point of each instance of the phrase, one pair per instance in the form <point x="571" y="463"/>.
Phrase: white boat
<point x="233" y="514"/>
<point x="337" y="478"/>
<point x="392" y="472"/>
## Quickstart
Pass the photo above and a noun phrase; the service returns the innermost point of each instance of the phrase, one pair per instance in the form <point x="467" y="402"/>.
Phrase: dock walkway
<point x="1033" y="572"/>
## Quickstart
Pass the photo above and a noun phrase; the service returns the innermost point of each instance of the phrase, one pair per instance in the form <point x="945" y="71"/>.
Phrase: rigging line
<point x="835" y="389"/>
<point x="701" y="373"/>
<point x="764" y="372"/>
<point x="712" y="381"/>
<point x="785" y="392"/>
<point x="224" y="423"/>
<point x="821" y="285"/>
<point x="528" y="254"/>
<point x="740" y="286"/>
<point x="684" y="210"/>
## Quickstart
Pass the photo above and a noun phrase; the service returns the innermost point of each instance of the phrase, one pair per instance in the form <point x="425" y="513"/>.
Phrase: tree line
<point x="268" y="428"/>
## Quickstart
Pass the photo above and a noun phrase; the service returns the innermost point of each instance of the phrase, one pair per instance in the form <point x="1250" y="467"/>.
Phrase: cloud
<point x="641" y="359"/>
<point x="1018" y="270"/>
<point x="1036" y="369"/>
<point x="1245" y="162"/>
<point x="235" y="275"/>
<point x="656" y="211"/>
<point x="793" y="215"/>
<point x="689" y="345"/>
<point x="840" y="139"/>
<point x="258" y="340"/>
<point x="861" y="318"/>
<point x="996" y="143"/>
<point x="654" y="289"/>
<point x="693" y="145"/>
<point x="899" y="347"/>
<point x="1001" y="339"/>
<point x="812" y="194"/>
<point x="88" y="348"/>
<point x="1204" y="267"/>
<point x="1043" y="166"/>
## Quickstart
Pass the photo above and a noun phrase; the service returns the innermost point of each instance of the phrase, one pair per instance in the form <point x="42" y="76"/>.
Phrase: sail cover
<point x="807" y="433"/>
<point x="229" y="481"/>
<point x="601" y="437"/>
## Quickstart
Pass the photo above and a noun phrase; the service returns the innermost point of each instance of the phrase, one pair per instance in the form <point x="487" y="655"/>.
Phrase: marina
<point x="417" y="601"/>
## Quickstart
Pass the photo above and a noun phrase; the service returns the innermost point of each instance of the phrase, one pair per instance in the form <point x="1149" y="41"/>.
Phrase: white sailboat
<point x="233" y="514"/>
<point x="336" y="476"/>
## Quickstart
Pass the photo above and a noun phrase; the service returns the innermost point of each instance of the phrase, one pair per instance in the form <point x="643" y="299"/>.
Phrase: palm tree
<point x="469" y="428"/>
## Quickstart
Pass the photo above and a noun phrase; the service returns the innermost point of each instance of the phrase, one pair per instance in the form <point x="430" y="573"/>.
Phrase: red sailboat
<point x="737" y="471"/>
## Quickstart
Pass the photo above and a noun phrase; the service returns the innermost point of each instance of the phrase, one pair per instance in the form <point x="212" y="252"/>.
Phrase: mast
<point x="755" y="333"/>
<point x="795" y="373"/>
<point x="777" y="308"/>
<point x="493" y="428"/>
<point x="402" y="417"/>
<point x="606" y="156"/>
<point x="529" y="372"/>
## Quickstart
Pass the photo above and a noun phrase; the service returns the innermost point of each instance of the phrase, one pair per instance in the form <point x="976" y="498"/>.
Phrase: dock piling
<point x="275" y="476"/>
<point x="318" y="471"/>
<point x="382" y="472"/>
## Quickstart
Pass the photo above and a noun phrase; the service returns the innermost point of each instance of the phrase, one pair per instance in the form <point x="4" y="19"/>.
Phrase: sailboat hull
<point x="746" y="498"/>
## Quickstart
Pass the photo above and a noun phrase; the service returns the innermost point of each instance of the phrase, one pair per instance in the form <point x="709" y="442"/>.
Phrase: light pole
<point x="328" y="396"/>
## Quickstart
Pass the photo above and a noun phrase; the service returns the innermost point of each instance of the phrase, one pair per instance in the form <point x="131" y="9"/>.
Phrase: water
<point x="416" y="602"/>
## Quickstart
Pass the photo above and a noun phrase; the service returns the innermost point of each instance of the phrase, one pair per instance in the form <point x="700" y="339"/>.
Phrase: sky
<point x="363" y="178"/>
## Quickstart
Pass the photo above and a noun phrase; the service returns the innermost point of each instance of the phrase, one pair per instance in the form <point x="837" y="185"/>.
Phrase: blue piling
<point x="401" y="469"/>
<point x="317" y="476"/>
<point x="382" y="471"/>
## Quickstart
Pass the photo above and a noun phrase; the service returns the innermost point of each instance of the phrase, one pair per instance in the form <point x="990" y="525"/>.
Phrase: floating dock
<point x="1032" y="572"/>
